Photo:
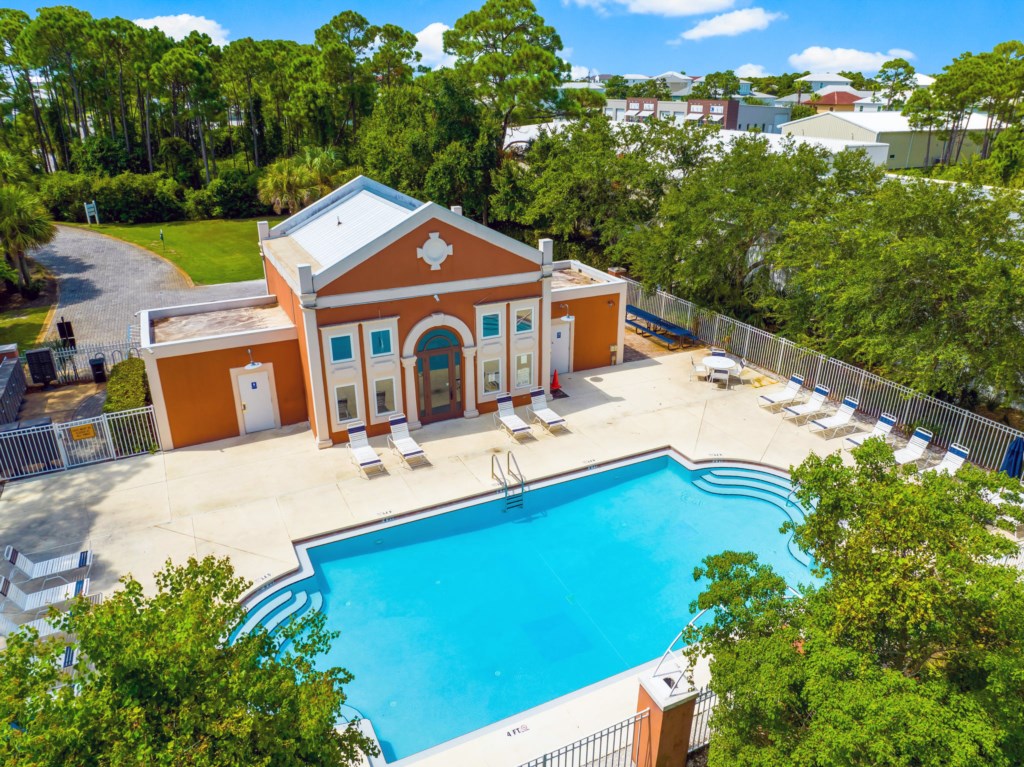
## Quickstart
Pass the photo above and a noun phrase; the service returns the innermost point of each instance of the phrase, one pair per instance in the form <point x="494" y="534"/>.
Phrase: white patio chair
<point x="951" y="461"/>
<point x="816" y="404"/>
<point x="833" y="424"/>
<point x="47" y="567"/>
<point x="539" y="411"/>
<point x="401" y="442"/>
<point x="882" y="428"/>
<point x="507" y="420"/>
<point x="39" y="599"/>
<point x="363" y="456"/>
<point x="914" y="451"/>
<point x="790" y="394"/>
<point x="698" y="371"/>
<point x="738" y="373"/>
<point x="719" y="376"/>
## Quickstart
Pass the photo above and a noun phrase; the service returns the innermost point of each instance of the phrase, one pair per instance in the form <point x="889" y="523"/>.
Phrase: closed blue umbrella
<point x="1014" y="456"/>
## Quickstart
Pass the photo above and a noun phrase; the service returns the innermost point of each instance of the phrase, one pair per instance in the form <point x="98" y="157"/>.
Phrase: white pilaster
<point x="412" y="408"/>
<point x="469" y="377"/>
<point x="547" y="248"/>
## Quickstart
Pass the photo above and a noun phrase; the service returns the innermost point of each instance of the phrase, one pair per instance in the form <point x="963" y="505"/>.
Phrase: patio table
<point x="719" y="363"/>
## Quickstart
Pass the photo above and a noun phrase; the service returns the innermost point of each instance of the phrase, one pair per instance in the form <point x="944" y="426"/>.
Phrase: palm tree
<point x="12" y="169"/>
<point x="324" y="165"/>
<point x="24" y="224"/>
<point x="287" y="184"/>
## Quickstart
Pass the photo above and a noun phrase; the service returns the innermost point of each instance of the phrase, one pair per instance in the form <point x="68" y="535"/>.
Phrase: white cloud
<point x="732" y="23"/>
<point x="579" y="73"/>
<point x="751" y="70"/>
<point x="656" y="7"/>
<point x="818" y="58"/>
<point x="431" y="46"/>
<point x="180" y="25"/>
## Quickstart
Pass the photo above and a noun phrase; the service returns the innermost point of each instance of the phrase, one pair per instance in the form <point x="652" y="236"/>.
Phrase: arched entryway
<point x="439" y="373"/>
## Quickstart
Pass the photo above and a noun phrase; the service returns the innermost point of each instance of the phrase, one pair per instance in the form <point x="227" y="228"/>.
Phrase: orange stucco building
<point x="377" y="304"/>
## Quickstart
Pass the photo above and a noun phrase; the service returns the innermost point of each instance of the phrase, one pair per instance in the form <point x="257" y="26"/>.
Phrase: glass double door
<point x="439" y="374"/>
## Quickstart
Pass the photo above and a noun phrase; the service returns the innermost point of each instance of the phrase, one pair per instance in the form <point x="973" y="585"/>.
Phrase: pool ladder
<point x="511" y="480"/>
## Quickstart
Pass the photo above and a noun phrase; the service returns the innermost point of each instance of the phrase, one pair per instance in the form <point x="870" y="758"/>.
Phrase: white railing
<point x="614" y="746"/>
<point x="62" y="446"/>
<point x="986" y="439"/>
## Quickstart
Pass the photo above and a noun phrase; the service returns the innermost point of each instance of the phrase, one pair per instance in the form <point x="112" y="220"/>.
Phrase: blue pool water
<point x="457" y="621"/>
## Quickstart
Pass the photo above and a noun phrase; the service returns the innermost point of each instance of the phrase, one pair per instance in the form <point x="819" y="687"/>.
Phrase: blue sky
<point x="649" y="36"/>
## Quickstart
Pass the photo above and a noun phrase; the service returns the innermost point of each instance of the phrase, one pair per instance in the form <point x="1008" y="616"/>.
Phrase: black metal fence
<point x="614" y="746"/>
<point x="700" y="731"/>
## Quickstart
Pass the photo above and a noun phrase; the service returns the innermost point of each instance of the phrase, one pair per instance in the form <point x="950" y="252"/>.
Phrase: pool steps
<point x="756" y="484"/>
<point x="283" y="608"/>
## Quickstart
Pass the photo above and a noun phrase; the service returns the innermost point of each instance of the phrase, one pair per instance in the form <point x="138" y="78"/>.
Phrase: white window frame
<point x="717" y="109"/>
<point x="483" y="376"/>
<point x="533" y="319"/>
<point x="515" y="369"/>
<point x="391" y="342"/>
<point x="497" y="313"/>
<point x="394" y="396"/>
<point x="353" y="349"/>
<point x="697" y="108"/>
<point x="334" y="402"/>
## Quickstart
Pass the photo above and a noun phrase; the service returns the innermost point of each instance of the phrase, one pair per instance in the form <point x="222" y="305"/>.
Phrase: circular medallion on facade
<point x="434" y="251"/>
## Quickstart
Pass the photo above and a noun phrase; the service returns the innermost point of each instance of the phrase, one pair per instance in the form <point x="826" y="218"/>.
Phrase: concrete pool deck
<point x="249" y="498"/>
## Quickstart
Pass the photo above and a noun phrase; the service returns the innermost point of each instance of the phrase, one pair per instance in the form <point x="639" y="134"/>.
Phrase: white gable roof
<point x="672" y="75"/>
<point x="823" y="77"/>
<point x="357" y="220"/>
<point x="340" y="229"/>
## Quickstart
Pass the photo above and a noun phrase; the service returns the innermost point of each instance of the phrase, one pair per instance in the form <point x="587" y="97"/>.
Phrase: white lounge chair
<point x="816" y="404"/>
<point x="539" y="411"/>
<point x="832" y="424"/>
<point x="914" y="451"/>
<point x="401" y="442"/>
<point x="363" y="456"/>
<point x="951" y="461"/>
<point x="46" y="597"/>
<point x="47" y="567"/>
<point x="883" y="428"/>
<point x="785" y="397"/>
<point x="507" y="420"/>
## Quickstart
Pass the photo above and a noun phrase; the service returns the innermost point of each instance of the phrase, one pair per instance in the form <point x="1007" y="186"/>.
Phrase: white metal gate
<point x="61" y="446"/>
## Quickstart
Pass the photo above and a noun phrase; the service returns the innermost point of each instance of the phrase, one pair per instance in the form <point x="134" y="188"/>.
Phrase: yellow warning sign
<point x="85" y="431"/>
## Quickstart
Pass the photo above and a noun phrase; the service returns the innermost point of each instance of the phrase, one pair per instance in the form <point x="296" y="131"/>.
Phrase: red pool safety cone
<point x="555" y="386"/>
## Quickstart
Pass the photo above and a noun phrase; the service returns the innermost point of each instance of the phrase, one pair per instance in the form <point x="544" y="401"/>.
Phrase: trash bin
<point x="99" y="370"/>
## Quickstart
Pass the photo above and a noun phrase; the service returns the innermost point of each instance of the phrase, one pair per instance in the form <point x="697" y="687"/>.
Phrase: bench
<point x="647" y="324"/>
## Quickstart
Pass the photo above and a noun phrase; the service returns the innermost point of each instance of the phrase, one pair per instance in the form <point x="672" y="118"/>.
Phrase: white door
<point x="257" y="406"/>
<point x="560" y="347"/>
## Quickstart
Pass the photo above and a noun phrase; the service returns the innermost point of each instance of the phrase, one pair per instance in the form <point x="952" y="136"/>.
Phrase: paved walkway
<point x="104" y="282"/>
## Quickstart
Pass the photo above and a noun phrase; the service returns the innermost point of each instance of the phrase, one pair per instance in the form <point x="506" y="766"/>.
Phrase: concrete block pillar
<point x="669" y="723"/>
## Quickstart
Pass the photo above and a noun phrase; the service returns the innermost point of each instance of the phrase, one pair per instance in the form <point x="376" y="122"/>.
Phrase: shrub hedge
<point x="149" y="198"/>
<point x="127" y="386"/>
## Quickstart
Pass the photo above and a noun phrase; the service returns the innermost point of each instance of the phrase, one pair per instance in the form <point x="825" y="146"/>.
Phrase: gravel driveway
<point x="104" y="282"/>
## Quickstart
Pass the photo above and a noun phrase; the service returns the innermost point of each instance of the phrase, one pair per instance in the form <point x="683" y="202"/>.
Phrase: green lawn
<point x="208" y="251"/>
<point x="22" y="326"/>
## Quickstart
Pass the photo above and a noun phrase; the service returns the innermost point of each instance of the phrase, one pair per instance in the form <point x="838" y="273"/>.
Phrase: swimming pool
<point x="455" y="621"/>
